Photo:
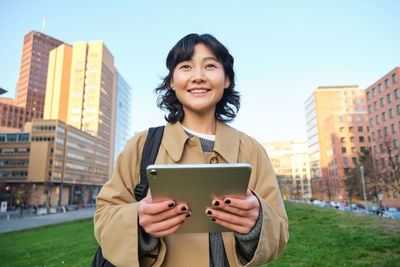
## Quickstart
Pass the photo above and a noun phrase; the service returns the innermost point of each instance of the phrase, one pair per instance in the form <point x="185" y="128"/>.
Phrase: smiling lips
<point x="198" y="90"/>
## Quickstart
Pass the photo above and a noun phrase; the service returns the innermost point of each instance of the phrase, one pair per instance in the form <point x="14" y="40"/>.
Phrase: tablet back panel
<point x="196" y="184"/>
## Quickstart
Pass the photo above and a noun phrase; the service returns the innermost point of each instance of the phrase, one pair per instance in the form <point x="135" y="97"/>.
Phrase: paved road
<point x="15" y="224"/>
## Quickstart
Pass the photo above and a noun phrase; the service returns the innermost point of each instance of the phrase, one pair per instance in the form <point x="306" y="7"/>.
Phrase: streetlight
<point x="363" y="185"/>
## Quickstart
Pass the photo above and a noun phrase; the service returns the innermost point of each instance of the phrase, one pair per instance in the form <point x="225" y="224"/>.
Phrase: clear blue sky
<point x="283" y="50"/>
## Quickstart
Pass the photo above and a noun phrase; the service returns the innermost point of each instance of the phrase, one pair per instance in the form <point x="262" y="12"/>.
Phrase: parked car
<point x="392" y="212"/>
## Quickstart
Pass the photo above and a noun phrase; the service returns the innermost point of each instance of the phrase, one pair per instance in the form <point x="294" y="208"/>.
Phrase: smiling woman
<point x="199" y="96"/>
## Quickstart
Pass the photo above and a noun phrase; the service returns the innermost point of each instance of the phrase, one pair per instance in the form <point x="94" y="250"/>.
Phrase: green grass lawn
<point x="318" y="237"/>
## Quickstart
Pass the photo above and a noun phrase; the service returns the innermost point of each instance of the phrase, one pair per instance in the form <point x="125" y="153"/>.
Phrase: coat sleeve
<point x="116" y="219"/>
<point x="274" y="228"/>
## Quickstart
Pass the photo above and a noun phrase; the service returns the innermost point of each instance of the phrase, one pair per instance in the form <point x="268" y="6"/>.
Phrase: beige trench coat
<point x="116" y="218"/>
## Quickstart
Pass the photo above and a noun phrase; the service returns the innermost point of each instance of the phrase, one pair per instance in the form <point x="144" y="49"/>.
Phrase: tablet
<point x="196" y="184"/>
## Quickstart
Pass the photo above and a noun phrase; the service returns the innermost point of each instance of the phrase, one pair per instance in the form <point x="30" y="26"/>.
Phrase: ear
<point x="171" y="84"/>
<point x="227" y="82"/>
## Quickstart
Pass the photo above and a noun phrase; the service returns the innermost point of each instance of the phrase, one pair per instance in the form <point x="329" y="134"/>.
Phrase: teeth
<point x="198" y="91"/>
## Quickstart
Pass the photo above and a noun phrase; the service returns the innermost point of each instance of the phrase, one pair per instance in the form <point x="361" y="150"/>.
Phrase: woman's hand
<point x="236" y="214"/>
<point x="162" y="218"/>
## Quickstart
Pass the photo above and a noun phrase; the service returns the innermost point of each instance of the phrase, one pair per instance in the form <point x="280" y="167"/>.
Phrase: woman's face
<point x="199" y="83"/>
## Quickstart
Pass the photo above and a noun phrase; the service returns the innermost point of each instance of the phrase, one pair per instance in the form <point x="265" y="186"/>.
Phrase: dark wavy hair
<point x="229" y="104"/>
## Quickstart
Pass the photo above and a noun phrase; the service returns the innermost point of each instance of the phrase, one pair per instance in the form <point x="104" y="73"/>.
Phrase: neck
<point x="200" y="123"/>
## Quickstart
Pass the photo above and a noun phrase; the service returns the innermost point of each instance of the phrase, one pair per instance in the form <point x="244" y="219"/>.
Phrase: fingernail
<point x="227" y="201"/>
<point x="213" y="219"/>
<point x="216" y="203"/>
<point x="209" y="212"/>
<point x="183" y="208"/>
<point x="171" y="205"/>
<point x="187" y="215"/>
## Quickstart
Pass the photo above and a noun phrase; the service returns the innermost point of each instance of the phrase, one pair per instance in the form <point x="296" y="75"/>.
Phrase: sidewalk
<point x="15" y="223"/>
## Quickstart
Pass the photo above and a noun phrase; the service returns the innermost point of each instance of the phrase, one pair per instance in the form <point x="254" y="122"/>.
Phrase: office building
<point x="323" y="103"/>
<point x="50" y="162"/>
<point x="292" y="167"/>
<point x="347" y="137"/>
<point x="32" y="79"/>
<point x="383" y="100"/>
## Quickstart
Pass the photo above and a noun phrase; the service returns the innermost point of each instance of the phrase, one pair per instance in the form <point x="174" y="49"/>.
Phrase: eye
<point x="210" y="66"/>
<point x="185" y="66"/>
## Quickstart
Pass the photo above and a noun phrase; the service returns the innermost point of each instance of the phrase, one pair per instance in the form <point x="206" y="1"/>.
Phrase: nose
<point x="198" y="75"/>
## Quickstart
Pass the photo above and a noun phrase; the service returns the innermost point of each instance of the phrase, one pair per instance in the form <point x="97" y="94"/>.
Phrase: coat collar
<point x="226" y="141"/>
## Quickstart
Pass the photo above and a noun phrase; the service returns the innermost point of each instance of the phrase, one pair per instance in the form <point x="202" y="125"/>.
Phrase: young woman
<point x="199" y="97"/>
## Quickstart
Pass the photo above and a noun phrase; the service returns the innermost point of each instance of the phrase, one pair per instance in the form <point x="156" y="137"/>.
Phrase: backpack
<point x="149" y="155"/>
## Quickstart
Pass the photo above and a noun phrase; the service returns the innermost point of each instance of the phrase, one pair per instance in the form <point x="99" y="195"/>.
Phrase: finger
<point x="168" y="232"/>
<point x="147" y="206"/>
<point x="147" y="219"/>
<point x="165" y="226"/>
<point x="250" y="202"/>
<point x="236" y="228"/>
<point x="246" y="221"/>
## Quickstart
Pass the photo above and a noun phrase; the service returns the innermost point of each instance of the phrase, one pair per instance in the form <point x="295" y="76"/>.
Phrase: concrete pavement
<point x="16" y="223"/>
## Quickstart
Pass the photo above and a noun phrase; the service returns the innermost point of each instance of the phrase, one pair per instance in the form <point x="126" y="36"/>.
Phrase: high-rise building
<point x="292" y="167"/>
<point x="383" y="99"/>
<point x="33" y="72"/>
<point x="323" y="103"/>
<point x="85" y="90"/>
<point x="123" y="115"/>
<point x="347" y="137"/>
<point x="31" y="83"/>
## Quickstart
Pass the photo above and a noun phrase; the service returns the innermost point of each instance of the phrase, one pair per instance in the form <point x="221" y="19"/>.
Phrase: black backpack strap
<point x="149" y="155"/>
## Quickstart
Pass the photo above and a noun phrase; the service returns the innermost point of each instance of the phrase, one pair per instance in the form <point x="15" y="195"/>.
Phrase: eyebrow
<point x="210" y="58"/>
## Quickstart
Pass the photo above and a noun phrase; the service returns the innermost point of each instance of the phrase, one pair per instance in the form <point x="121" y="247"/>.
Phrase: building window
<point x="359" y="119"/>
<point x="360" y="129"/>
<point x="376" y="105"/>
<point x="395" y="143"/>
<point x="393" y="128"/>
<point x="381" y="149"/>
<point x="351" y="129"/>
<point x="391" y="113"/>
<point x="373" y="136"/>
<point x="382" y="102"/>
<point x="394" y="78"/>
<point x="396" y="93"/>
<point x="389" y="98"/>
<point x="349" y="118"/>
<point x="380" y="87"/>
<point x="387" y="83"/>
<point x="352" y="139"/>
<point x="375" y="150"/>
<point x="343" y="150"/>
<point x="341" y="129"/>
<point x="371" y="122"/>
<point x="353" y="149"/>
<point x="362" y="149"/>
<point x="383" y="162"/>
<point x="342" y="140"/>
<point x="373" y="92"/>
<point x="361" y="139"/>
<point x="360" y="102"/>
<point x="341" y="118"/>
<point x="378" y="119"/>
<point x="354" y="159"/>
<point x="345" y="161"/>
<point x="369" y="108"/>
<point x="379" y="133"/>
<point x="368" y="97"/>
<point x="384" y="116"/>
<point x="397" y="159"/>
<point x="386" y="131"/>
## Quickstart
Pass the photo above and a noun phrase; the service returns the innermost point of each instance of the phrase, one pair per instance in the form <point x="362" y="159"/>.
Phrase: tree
<point x="353" y="180"/>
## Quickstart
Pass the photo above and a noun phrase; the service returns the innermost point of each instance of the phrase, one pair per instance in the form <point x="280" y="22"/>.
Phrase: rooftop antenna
<point x="44" y="21"/>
